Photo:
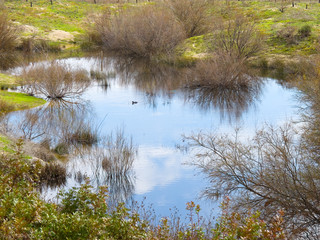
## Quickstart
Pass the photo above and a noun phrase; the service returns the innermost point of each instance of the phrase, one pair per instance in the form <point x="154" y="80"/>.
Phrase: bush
<point x="128" y="33"/>
<point x="238" y="38"/>
<point x="222" y="70"/>
<point x="54" y="81"/>
<point x="82" y="213"/>
<point x="8" y="37"/>
<point x="5" y="106"/>
<point x="305" y="31"/>
<point x="84" y="135"/>
<point x="53" y="174"/>
<point x="288" y="34"/>
<point x="193" y="15"/>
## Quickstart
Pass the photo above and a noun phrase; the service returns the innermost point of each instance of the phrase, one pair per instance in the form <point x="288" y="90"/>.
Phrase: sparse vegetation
<point x="84" y="135"/>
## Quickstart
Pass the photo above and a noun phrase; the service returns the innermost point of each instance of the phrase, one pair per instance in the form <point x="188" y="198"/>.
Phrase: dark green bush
<point x="305" y="31"/>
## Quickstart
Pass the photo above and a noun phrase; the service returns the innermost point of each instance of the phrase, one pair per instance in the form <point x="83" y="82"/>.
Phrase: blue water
<point x="156" y="125"/>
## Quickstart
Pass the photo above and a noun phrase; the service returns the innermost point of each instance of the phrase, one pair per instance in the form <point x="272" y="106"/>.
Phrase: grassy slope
<point x="73" y="17"/>
<point x="270" y="20"/>
<point x="63" y="15"/>
<point x="19" y="101"/>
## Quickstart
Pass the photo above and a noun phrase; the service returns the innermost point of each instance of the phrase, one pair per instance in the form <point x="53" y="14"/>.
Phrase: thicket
<point x="128" y="33"/>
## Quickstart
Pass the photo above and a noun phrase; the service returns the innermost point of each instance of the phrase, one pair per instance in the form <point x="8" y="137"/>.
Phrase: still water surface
<point x="161" y="114"/>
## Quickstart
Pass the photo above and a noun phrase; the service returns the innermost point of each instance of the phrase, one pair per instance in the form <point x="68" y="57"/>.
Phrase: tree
<point x="274" y="170"/>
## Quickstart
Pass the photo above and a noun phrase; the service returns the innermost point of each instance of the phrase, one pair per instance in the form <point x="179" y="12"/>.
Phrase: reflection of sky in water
<point x="159" y="173"/>
<point x="157" y="128"/>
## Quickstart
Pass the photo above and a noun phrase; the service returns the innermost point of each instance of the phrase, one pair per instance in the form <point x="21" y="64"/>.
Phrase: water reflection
<point x="155" y="80"/>
<point x="231" y="102"/>
<point x="164" y="111"/>
<point x="89" y="164"/>
<point x="56" y="121"/>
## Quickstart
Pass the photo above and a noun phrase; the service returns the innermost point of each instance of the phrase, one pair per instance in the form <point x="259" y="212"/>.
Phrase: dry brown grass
<point x="143" y="31"/>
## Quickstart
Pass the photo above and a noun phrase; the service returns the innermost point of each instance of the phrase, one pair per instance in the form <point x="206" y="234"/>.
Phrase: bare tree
<point x="273" y="171"/>
<point x="238" y="38"/>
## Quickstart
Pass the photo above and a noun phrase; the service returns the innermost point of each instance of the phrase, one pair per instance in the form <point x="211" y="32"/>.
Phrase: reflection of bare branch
<point x="230" y="101"/>
<point x="273" y="171"/>
<point x="57" y="121"/>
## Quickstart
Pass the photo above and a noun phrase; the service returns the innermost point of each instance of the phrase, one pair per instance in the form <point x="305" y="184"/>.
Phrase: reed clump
<point x="120" y="154"/>
<point x="85" y="135"/>
<point x="53" y="174"/>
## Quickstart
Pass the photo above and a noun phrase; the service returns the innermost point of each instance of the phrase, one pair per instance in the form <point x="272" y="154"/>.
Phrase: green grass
<point x="6" y="145"/>
<point x="72" y="17"/>
<point x="20" y="101"/>
<point x="64" y="15"/>
<point x="7" y="81"/>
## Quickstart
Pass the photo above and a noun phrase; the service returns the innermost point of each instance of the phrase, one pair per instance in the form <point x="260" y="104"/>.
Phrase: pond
<point x="149" y="107"/>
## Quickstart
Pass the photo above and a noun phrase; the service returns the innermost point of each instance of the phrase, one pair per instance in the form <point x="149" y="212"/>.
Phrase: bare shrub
<point x="8" y="37"/>
<point x="30" y="125"/>
<point x="120" y="154"/>
<point x="144" y="31"/>
<point x="222" y="70"/>
<point x="5" y="106"/>
<point x="273" y="170"/>
<point x="54" y="80"/>
<point x="238" y="38"/>
<point x="193" y="15"/>
<point x="288" y="34"/>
